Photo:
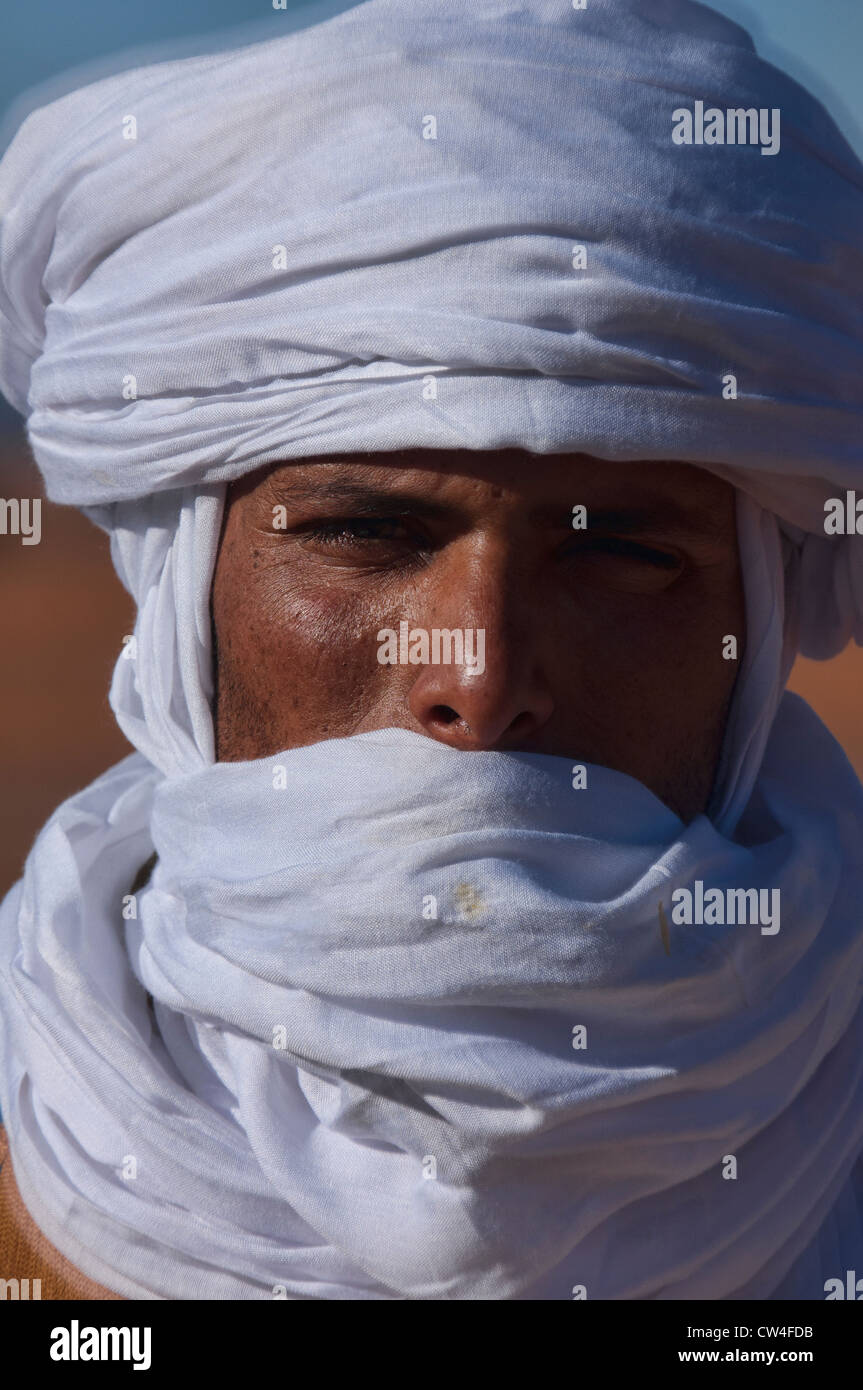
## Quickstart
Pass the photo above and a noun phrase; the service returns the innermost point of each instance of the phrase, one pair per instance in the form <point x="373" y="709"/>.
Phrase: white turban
<point x="439" y="227"/>
<point x="364" y="237"/>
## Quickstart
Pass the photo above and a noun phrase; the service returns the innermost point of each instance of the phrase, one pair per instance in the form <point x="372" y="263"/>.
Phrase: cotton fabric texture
<point x="299" y="1159"/>
<point x="332" y="1094"/>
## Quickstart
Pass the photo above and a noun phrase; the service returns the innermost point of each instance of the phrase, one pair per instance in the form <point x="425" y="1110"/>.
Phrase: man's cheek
<point x="319" y="655"/>
<point x="327" y="614"/>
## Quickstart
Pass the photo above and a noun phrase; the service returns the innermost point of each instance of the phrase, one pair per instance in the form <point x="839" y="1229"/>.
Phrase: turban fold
<point x="445" y="227"/>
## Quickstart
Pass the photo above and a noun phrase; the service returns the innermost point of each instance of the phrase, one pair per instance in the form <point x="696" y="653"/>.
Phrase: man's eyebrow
<point x="362" y="499"/>
<point x="659" y="518"/>
<point x="662" y="516"/>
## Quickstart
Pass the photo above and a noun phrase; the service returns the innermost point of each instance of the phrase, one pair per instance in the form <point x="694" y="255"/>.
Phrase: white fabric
<point x="409" y="1039"/>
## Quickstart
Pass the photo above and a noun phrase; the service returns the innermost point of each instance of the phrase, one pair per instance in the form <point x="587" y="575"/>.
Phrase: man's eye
<point x="359" y="531"/>
<point x="626" y="549"/>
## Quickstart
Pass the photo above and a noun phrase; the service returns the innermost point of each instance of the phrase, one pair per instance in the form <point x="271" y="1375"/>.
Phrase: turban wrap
<point x="280" y="265"/>
<point x="438" y="226"/>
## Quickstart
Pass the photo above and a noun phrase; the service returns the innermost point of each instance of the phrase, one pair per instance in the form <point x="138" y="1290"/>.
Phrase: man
<point x="476" y="918"/>
<point x="572" y="620"/>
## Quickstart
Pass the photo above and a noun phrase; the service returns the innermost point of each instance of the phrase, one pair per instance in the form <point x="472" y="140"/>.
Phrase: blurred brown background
<point x="63" y="616"/>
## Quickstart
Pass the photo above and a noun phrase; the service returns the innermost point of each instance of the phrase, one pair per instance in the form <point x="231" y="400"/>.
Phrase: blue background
<point x="818" y="41"/>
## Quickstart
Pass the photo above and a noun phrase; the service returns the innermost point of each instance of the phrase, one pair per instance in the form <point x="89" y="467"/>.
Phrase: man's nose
<point x="498" y="696"/>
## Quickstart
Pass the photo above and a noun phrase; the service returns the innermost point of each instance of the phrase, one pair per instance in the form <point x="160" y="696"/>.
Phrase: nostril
<point x="444" y="714"/>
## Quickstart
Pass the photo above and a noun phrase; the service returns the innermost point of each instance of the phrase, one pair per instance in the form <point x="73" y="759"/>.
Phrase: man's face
<point x="602" y="645"/>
